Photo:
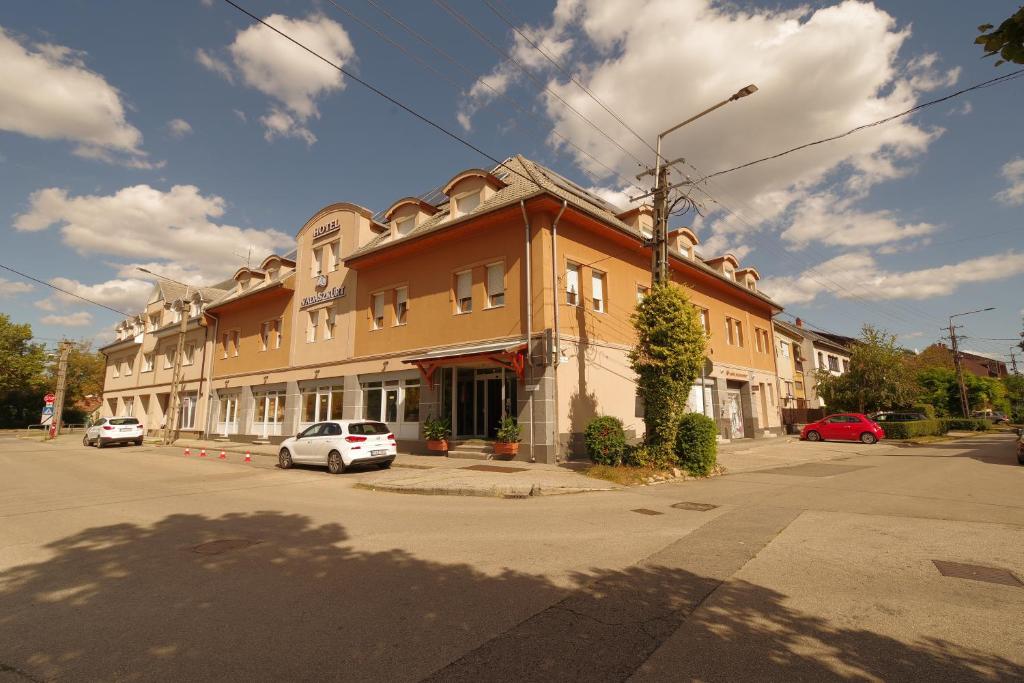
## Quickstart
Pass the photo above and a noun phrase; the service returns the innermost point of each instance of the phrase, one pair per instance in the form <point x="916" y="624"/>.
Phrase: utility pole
<point x="58" y="395"/>
<point x="171" y="416"/>
<point x="1013" y="362"/>
<point x="659" y="265"/>
<point x="965" y="405"/>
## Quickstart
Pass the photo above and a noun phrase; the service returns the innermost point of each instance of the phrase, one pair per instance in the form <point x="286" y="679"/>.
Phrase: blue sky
<point x="899" y="226"/>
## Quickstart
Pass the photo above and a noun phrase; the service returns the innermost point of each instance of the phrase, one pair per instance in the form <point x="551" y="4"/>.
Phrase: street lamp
<point x="170" y="425"/>
<point x="661" y="188"/>
<point x="965" y="404"/>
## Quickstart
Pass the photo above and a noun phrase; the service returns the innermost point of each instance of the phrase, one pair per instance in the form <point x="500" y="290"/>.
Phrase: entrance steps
<point x="472" y="449"/>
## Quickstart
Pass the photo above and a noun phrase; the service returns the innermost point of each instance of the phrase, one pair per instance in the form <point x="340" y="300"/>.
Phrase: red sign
<point x="49" y="398"/>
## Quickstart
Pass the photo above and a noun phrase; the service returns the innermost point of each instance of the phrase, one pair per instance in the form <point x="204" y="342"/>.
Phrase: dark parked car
<point x="993" y="416"/>
<point x="893" y="416"/>
<point x="843" y="427"/>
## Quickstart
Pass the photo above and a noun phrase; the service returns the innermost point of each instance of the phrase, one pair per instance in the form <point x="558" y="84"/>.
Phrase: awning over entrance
<point x="508" y="355"/>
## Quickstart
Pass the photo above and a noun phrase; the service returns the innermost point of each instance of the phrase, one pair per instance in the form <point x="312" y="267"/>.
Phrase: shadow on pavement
<point x="270" y="596"/>
<point x="990" y="449"/>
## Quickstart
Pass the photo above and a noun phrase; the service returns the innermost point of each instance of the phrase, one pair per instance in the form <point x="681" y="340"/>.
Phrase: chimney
<point x="800" y="323"/>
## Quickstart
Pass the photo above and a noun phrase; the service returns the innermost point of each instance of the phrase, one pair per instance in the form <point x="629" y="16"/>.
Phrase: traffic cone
<point x="222" y="456"/>
<point x="202" y="453"/>
<point x="248" y="457"/>
<point x="188" y="452"/>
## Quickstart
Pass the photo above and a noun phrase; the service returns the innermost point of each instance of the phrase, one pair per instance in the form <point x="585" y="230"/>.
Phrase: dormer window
<point x="467" y="203"/>
<point x="730" y="273"/>
<point x="404" y="226"/>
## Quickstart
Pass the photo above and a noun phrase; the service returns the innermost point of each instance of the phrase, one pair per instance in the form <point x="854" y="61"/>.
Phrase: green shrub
<point x="966" y="424"/>
<point x="436" y="429"/>
<point x="605" y="440"/>
<point x="916" y="428"/>
<point x="927" y="409"/>
<point x="509" y="431"/>
<point x="638" y="456"/>
<point x="695" y="443"/>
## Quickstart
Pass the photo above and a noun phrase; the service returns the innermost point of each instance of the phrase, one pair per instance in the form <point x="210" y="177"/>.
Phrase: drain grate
<point x="977" y="572"/>
<point x="493" y="468"/>
<point x="645" y="511"/>
<point x="223" y="545"/>
<point x="699" y="507"/>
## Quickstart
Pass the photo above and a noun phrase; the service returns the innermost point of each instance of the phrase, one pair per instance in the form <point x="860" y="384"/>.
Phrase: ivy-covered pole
<point x="667" y="359"/>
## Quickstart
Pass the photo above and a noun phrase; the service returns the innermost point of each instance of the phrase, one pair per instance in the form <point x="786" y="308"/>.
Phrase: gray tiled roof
<point x="526" y="179"/>
<point x="814" y="337"/>
<point x="172" y="291"/>
<point x="234" y="293"/>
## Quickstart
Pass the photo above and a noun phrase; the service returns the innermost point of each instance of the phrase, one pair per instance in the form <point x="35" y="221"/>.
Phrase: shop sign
<point x="730" y="373"/>
<point x="326" y="295"/>
<point x="326" y="228"/>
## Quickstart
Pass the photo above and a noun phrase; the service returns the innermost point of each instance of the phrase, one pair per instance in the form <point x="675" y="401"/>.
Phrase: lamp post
<point x="661" y="188"/>
<point x="171" y="422"/>
<point x="965" y="405"/>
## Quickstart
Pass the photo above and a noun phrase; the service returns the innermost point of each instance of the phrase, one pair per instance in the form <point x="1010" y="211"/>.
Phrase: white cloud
<point x="284" y="71"/>
<point x="9" y="288"/>
<point x="48" y="304"/>
<point x="79" y="319"/>
<point x="214" y="64"/>
<point x="179" y="128"/>
<point x="655" y="62"/>
<point x="48" y="92"/>
<point x="1013" y="173"/>
<point x="142" y="222"/>
<point x="824" y="217"/>
<point x="126" y="295"/>
<point x="858" y="275"/>
<point x="241" y="115"/>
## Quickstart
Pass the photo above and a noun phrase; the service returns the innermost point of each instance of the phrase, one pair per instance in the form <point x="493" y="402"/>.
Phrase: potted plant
<point x="508" y="436"/>
<point x="436" y="432"/>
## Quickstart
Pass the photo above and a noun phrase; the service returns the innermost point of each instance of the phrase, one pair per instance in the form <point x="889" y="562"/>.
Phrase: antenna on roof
<point x="248" y="257"/>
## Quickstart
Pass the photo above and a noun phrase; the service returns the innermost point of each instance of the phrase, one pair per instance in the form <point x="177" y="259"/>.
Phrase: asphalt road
<point x="138" y="564"/>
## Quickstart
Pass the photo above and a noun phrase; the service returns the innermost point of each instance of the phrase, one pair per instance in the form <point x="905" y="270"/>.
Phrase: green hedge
<point x="910" y="430"/>
<point x="696" y="444"/>
<point x="605" y="440"/>
<point x="969" y="424"/>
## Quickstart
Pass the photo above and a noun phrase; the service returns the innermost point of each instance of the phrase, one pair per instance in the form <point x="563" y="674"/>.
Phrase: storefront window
<point x="412" y="400"/>
<point x="371" y="400"/>
<point x="337" y="402"/>
<point x="187" y="416"/>
<point x="309" y="406"/>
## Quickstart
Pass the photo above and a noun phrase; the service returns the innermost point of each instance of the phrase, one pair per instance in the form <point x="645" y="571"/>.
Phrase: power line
<point x="59" y="289"/>
<point x="923" y="105"/>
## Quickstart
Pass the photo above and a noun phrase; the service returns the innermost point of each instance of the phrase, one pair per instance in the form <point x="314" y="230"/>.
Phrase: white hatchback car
<point x="340" y="444"/>
<point x="108" y="430"/>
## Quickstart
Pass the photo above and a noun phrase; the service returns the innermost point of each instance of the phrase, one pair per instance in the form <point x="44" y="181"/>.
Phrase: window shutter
<point x="572" y="279"/>
<point x="378" y="305"/>
<point x="598" y="286"/>
<point x="401" y="295"/>
<point x="495" y="279"/>
<point x="464" y="285"/>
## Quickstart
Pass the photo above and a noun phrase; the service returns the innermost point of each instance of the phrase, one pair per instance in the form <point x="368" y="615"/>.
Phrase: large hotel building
<point x="510" y="295"/>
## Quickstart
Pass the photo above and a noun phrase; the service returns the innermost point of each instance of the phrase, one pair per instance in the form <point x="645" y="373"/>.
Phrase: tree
<point x="879" y="377"/>
<point x="22" y="380"/>
<point x="1007" y="41"/>
<point x="1015" y="395"/>
<point x="667" y="358"/>
<point x="85" y="373"/>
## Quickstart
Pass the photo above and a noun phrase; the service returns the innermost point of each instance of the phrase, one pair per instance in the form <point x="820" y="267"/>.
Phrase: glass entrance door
<point x="227" y="416"/>
<point x="482" y="398"/>
<point x="269" y="414"/>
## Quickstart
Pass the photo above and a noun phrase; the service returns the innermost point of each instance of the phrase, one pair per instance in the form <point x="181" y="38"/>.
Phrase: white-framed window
<point x="789" y="389"/>
<point x="467" y="203"/>
<point x="187" y="415"/>
<point x="194" y="309"/>
<point x="316" y="266"/>
<point x="597" y="282"/>
<point x="335" y="248"/>
<point x="320" y="403"/>
<point x="401" y="305"/>
<point x="329" y="320"/>
<point x="312" y="322"/>
<point x="169" y="358"/>
<point x="846" y="365"/>
<point x="730" y="273"/>
<point x="392" y="401"/>
<point x="115" y="369"/>
<point x="176" y="314"/>
<point x="189" y="354"/>
<point x="129" y="405"/>
<point x="405" y="225"/>
<point x="833" y="363"/>
<point x="572" y="284"/>
<point x="495" y="285"/>
<point x="276" y="332"/>
<point x="129" y="365"/>
<point x="464" y="292"/>
<point x="154" y="321"/>
<point x="733" y="332"/>
<point x="147" y="362"/>
<point x="377" y="306"/>
<point x="265" y="331"/>
<point x="705" y="321"/>
<point x="642" y="292"/>
<point x="784" y="348"/>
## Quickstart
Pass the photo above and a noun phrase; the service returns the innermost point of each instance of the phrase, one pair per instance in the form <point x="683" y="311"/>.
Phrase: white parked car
<point x="108" y="430"/>
<point x="340" y="444"/>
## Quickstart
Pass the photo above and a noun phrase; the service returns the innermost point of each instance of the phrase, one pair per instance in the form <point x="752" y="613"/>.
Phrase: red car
<point x="843" y="427"/>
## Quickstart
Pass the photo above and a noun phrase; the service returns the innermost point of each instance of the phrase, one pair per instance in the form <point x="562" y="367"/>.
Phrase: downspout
<point x="209" y="372"/>
<point x="558" y="336"/>
<point x="529" y="319"/>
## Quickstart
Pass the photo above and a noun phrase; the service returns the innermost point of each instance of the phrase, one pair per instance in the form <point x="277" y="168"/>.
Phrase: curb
<point x="505" y="492"/>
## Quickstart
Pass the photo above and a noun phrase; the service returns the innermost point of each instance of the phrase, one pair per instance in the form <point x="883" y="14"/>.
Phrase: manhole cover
<point x="494" y="468"/>
<point x="977" y="572"/>
<point x="645" y="511"/>
<point x="223" y="545"/>
<point x="699" y="507"/>
<point x="814" y="469"/>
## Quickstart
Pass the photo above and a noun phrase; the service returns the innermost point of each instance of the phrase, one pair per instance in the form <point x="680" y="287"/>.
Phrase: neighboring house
<point x="140" y="362"/>
<point x="508" y="294"/>
<point x="789" y="359"/>
<point x="818" y="351"/>
<point x="981" y="366"/>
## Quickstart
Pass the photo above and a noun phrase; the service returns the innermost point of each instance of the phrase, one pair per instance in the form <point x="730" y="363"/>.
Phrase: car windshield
<point x="124" y="421"/>
<point x="368" y="428"/>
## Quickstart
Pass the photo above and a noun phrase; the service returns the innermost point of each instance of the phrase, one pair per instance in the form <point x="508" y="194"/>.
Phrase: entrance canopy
<point x="508" y="355"/>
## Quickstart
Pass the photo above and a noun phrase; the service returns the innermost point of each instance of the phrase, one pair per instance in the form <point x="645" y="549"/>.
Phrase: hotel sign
<point x="326" y="228"/>
<point x="326" y="295"/>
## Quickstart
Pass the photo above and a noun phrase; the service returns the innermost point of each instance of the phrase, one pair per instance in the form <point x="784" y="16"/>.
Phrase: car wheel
<point x="335" y="465"/>
<point x="813" y="436"/>
<point x="868" y="438"/>
<point x="99" y="442"/>
<point x="284" y="459"/>
<point x="85" y="440"/>
<point x="138" y="442"/>
<point x="384" y="465"/>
